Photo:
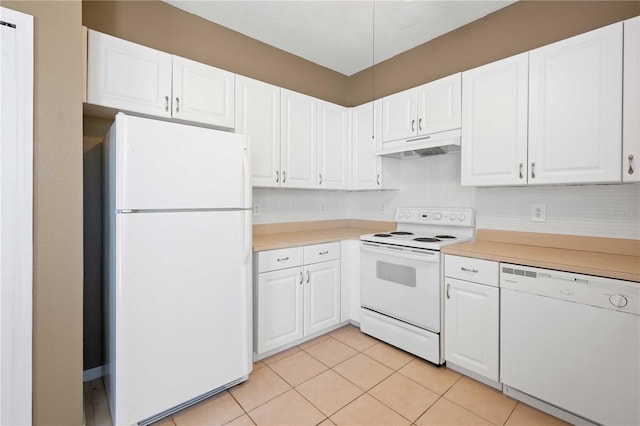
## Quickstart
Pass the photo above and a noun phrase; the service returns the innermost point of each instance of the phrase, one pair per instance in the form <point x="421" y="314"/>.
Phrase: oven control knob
<point x="618" y="300"/>
<point x="452" y="216"/>
<point x="462" y="217"/>
<point x="438" y="216"/>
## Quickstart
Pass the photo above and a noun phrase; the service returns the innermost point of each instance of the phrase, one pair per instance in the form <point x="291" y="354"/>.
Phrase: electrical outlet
<point x="321" y="208"/>
<point x="538" y="213"/>
<point x="381" y="208"/>
<point x="257" y="209"/>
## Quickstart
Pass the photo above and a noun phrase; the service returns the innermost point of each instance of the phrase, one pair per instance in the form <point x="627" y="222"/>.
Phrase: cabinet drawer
<point x="470" y="269"/>
<point x="273" y="260"/>
<point x="321" y="252"/>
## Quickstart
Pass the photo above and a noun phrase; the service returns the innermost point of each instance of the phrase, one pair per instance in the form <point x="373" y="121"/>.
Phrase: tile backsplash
<point x="597" y="210"/>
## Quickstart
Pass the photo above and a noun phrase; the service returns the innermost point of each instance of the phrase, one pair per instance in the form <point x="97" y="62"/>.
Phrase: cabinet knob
<point x="308" y="277"/>
<point x="448" y="288"/>
<point x="277" y="176"/>
<point x="177" y="104"/>
<point x="378" y="179"/>
<point x="301" y="279"/>
<point x="284" y="176"/>
<point x="320" y="183"/>
<point x="420" y="124"/>
<point x="630" y="171"/>
<point x="166" y="104"/>
<point x="413" y="125"/>
<point x="533" y="170"/>
<point x="520" y="171"/>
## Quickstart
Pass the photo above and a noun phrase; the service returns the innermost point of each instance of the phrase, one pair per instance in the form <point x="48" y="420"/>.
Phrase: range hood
<point x="422" y="146"/>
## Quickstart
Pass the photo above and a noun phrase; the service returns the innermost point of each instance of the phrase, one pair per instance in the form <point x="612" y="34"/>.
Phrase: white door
<point x="128" y="76"/>
<point x="631" y="102"/>
<point x="439" y="105"/>
<point x="333" y="146"/>
<point x="164" y="165"/>
<point x="299" y="140"/>
<point x="280" y="309"/>
<point x="494" y="123"/>
<point x="399" y="115"/>
<point x="182" y="308"/>
<point x="203" y="93"/>
<point x="366" y="166"/>
<point x="471" y="327"/>
<point x="258" y="116"/>
<point x="16" y="217"/>
<point x="575" y="109"/>
<point x="321" y="296"/>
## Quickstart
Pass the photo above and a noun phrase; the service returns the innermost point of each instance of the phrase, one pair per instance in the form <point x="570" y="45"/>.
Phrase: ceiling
<point x="339" y="35"/>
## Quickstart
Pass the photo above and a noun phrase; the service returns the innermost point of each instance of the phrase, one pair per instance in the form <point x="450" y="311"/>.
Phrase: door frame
<point x="16" y="341"/>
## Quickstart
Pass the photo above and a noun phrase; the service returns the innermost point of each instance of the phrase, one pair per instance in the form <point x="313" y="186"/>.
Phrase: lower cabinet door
<point x="279" y="308"/>
<point x="321" y="296"/>
<point x="471" y="327"/>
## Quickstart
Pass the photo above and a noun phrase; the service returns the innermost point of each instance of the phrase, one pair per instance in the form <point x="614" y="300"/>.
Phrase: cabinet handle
<point x="630" y="171"/>
<point x="284" y="176"/>
<point x="320" y="179"/>
<point x="177" y="104"/>
<point x="301" y="278"/>
<point x="413" y="125"/>
<point x="308" y="277"/>
<point x="378" y="179"/>
<point x="474" y="271"/>
<point x="277" y="176"/>
<point x="420" y="124"/>
<point x="166" y="104"/>
<point x="322" y="253"/>
<point x="282" y="259"/>
<point x="448" y="287"/>
<point x="520" y="171"/>
<point x="533" y="170"/>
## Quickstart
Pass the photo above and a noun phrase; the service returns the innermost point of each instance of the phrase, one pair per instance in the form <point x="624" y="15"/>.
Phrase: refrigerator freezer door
<point x="162" y="165"/>
<point x="182" y="308"/>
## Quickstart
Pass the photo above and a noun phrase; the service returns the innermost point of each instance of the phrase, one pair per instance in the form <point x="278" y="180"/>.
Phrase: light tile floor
<point x="345" y="378"/>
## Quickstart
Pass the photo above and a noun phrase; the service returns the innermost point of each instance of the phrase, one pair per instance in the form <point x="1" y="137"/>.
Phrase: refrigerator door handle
<point x="247" y="231"/>
<point x="246" y="173"/>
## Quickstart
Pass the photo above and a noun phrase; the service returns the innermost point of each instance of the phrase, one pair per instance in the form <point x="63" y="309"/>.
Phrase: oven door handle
<point x="404" y="253"/>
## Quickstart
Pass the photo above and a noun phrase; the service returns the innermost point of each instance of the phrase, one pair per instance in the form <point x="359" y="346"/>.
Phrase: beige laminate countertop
<point x="283" y="235"/>
<point x="605" y="257"/>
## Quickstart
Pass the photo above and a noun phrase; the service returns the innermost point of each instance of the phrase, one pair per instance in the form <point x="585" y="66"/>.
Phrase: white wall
<point x="598" y="210"/>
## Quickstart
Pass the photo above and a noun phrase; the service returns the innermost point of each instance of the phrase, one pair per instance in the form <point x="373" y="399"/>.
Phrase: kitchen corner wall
<point x="596" y="210"/>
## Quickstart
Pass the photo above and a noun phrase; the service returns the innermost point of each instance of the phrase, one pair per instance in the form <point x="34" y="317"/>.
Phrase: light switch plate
<point x="538" y="212"/>
<point x="257" y="209"/>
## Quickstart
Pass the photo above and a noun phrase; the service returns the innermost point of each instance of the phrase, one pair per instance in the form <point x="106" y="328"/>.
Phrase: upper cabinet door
<point x="298" y="143"/>
<point x="258" y="116"/>
<point x="128" y="76"/>
<point x="439" y="105"/>
<point x="575" y="109"/>
<point x="494" y="123"/>
<point x="333" y="144"/>
<point x="366" y="166"/>
<point x="399" y="115"/>
<point x="203" y="93"/>
<point x="631" y="102"/>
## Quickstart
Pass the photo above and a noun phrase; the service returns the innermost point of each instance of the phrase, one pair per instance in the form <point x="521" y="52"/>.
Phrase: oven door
<point x="401" y="282"/>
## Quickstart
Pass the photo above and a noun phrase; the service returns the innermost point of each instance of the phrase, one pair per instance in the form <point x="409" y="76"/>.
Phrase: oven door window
<point x="399" y="274"/>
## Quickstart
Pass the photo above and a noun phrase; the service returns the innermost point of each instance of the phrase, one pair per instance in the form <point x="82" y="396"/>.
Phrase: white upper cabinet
<point x="128" y="76"/>
<point x="431" y="108"/>
<point x="631" y="102"/>
<point x="366" y="166"/>
<point x="494" y="123"/>
<point x="575" y="109"/>
<point x="203" y="93"/>
<point x="298" y="140"/>
<point x="258" y="115"/>
<point x="333" y="146"/>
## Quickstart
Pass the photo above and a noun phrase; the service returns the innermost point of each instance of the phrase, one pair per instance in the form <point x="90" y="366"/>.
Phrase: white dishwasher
<point x="572" y="341"/>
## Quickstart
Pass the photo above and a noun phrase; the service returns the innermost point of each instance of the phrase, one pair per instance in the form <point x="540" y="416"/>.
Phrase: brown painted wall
<point x="164" y="27"/>
<point x="522" y="26"/>
<point x="57" y="286"/>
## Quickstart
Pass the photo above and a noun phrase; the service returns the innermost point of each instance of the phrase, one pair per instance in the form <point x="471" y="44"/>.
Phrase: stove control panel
<point x="450" y="217"/>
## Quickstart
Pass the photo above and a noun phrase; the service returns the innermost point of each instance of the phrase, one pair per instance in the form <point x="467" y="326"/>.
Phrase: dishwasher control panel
<point x="601" y="292"/>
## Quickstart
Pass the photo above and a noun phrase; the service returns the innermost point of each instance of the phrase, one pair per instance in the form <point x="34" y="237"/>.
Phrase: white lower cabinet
<point x="472" y="314"/>
<point x="297" y="295"/>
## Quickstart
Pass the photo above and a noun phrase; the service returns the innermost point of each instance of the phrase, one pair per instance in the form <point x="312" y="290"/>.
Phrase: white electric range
<point x="401" y="278"/>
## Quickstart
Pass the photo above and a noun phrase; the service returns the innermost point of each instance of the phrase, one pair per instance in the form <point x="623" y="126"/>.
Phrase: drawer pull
<point x="282" y="259"/>
<point x="462" y="268"/>
<point x="321" y="253"/>
<point x="448" y="288"/>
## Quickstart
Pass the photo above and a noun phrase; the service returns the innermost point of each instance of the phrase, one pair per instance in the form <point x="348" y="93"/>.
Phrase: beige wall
<point x="57" y="292"/>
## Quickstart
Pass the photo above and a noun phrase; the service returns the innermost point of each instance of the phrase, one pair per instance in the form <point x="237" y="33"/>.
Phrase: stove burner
<point x="382" y="235"/>
<point x="401" y="233"/>
<point x="446" y="237"/>
<point x="426" y="240"/>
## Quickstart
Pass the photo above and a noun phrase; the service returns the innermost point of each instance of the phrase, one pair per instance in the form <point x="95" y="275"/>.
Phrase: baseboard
<point x="94" y="373"/>
<point x="475" y="376"/>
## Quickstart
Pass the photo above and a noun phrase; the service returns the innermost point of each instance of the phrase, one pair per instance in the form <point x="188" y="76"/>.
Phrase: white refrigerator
<point x="178" y="265"/>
